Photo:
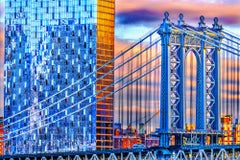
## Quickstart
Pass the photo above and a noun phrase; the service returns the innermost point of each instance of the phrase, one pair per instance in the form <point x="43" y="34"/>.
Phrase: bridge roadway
<point x="211" y="152"/>
<point x="123" y="154"/>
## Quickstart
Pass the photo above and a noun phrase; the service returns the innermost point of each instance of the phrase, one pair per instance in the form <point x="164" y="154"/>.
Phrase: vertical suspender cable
<point x="141" y="82"/>
<point x="145" y="94"/>
<point x="155" y="89"/>
<point x="119" y="96"/>
<point x="150" y="89"/>
<point x="131" y="91"/>
<point x="231" y="82"/>
<point x="191" y="88"/>
<point x="238" y="87"/>
<point x="224" y="83"/>
<point x="136" y="92"/>
<point x="234" y="87"/>
<point x="127" y="95"/>
<point x="159" y="80"/>
<point x="228" y="92"/>
<point x="122" y="93"/>
<point x="221" y="81"/>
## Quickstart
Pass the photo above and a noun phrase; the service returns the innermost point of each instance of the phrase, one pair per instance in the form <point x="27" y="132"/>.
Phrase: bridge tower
<point x="175" y="47"/>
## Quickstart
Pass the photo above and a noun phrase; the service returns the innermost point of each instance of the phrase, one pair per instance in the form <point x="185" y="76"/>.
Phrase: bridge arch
<point x="193" y="51"/>
<point x="191" y="63"/>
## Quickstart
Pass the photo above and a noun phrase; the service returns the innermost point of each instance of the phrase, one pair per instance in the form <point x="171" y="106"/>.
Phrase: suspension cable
<point x="90" y="74"/>
<point x="142" y="66"/>
<point x="221" y="47"/>
<point x="217" y="41"/>
<point x="117" y="67"/>
<point x="143" y="75"/>
<point x="225" y="34"/>
<point x="234" y="35"/>
<point x="199" y="38"/>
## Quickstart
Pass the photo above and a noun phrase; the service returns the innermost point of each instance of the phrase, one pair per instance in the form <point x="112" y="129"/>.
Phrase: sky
<point x="135" y="18"/>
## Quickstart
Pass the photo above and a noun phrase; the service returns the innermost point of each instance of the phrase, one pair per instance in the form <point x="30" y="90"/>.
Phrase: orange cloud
<point x="120" y="46"/>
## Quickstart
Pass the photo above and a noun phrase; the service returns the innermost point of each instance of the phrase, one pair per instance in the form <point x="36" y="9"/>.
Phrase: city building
<point x="49" y="45"/>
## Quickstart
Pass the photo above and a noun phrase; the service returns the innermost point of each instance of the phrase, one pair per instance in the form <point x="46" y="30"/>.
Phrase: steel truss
<point x="182" y="154"/>
<point x="201" y="154"/>
<point x="176" y="45"/>
<point x="139" y="155"/>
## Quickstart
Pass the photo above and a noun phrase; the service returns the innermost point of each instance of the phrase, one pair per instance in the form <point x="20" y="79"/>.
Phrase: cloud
<point x="131" y="33"/>
<point x="233" y="20"/>
<point x="120" y="45"/>
<point x="192" y="10"/>
<point x="137" y="16"/>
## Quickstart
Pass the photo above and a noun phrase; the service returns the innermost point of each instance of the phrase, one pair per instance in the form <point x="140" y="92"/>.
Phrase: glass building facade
<point x="50" y="45"/>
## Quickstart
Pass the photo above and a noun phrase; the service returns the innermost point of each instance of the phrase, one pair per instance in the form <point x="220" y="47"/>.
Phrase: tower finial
<point x="215" y="25"/>
<point x="166" y="25"/>
<point x="180" y="19"/>
<point x="166" y="17"/>
<point x="202" y="23"/>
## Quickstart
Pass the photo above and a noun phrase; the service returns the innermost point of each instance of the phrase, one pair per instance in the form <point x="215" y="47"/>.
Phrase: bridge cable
<point x="191" y="89"/>
<point x="199" y="38"/>
<point x="224" y="35"/>
<point x="231" y="34"/>
<point x="92" y="73"/>
<point x="210" y="38"/>
<point x="238" y="85"/>
<point x="117" y="67"/>
<point x="228" y="94"/>
<point x="225" y="49"/>
<point x="32" y="129"/>
<point x="103" y="88"/>
<point x="87" y="85"/>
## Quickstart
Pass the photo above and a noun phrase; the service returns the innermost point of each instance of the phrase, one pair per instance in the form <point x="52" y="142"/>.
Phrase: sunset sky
<point x="134" y="18"/>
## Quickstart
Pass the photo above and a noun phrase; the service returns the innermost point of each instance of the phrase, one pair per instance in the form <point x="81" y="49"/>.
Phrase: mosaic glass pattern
<point x="51" y="44"/>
